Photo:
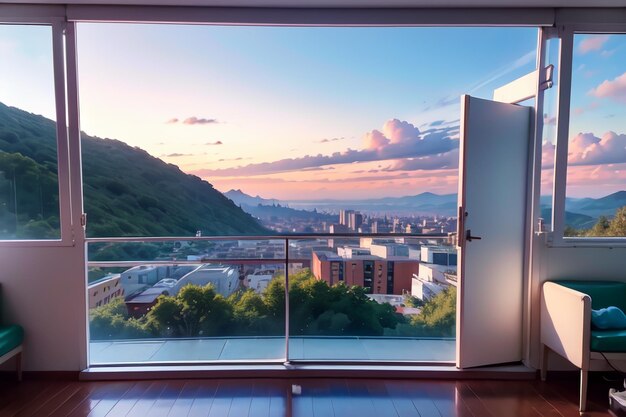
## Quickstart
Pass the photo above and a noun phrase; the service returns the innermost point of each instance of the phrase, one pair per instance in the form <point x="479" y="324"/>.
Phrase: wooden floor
<point x="318" y="397"/>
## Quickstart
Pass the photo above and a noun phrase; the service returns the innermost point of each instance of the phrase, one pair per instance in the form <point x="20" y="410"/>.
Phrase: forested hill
<point x="127" y="192"/>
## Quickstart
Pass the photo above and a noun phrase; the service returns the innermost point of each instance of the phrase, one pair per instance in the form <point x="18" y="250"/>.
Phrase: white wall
<point x="44" y="291"/>
<point x="568" y="263"/>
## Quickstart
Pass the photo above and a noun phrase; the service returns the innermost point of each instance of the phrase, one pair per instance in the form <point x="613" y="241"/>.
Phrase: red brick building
<point x="382" y="276"/>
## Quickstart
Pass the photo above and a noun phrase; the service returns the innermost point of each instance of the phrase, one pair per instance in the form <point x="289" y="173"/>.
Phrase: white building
<point x="225" y="279"/>
<point x="423" y="289"/>
<point x="440" y="255"/>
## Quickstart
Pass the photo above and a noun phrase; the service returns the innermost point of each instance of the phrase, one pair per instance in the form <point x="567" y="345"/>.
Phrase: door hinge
<point x="547" y="77"/>
<point x="83" y="219"/>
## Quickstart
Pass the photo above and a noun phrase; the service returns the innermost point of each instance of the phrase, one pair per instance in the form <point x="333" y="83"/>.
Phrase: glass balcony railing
<point x="335" y="298"/>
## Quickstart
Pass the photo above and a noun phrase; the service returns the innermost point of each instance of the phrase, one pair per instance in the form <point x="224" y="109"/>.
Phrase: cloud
<point x="172" y="121"/>
<point x="398" y="139"/>
<point x="175" y="155"/>
<point x="230" y="159"/>
<point x="592" y="43"/>
<point x="446" y="160"/>
<point x="455" y="98"/>
<point x="217" y="142"/>
<point x="549" y="120"/>
<point x="525" y="59"/>
<point x="607" y="53"/>
<point x="198" y="121"/>
<point x="326" y="140"/>
<point x="613" y="89"/>
<point x="587" y="149"/>
<point x="547" y="155"/>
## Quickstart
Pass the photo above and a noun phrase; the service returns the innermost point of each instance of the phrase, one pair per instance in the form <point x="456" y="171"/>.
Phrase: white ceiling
<point x="344" y="3"/>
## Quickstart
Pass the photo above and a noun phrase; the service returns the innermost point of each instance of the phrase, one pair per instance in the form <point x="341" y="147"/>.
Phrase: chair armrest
<point x="566" y="322"/>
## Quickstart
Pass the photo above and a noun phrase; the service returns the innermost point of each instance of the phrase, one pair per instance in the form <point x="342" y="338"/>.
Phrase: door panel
<point x="492" y="204"/>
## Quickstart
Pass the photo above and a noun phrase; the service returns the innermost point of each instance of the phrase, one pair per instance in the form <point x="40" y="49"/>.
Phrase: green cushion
<point x="603" y="293"/>
<point x="608" y="340"/>
<point x="10" y="338"/>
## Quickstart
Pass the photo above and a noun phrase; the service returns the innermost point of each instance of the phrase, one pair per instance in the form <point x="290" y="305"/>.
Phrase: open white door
<point x="492" y="205"/>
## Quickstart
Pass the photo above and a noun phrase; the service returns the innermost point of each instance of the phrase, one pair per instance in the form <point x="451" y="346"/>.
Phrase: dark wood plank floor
<point x="318" y="398"/>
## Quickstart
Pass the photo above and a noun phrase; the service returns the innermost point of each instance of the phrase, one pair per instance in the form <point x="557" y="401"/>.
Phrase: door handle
<point x="469" y="237"/>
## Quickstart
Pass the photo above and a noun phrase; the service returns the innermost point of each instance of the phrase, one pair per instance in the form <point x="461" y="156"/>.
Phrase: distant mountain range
<point x="268" y="209"/>
<point x="424" y="204"/>
<point x="127" y="192"/>
<point x="240" y="198"/>
<point x="584" y="211"/>
<point x="580" y="212"/>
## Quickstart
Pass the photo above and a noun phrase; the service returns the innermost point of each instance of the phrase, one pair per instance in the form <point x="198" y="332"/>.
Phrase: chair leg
<point x="584" y="374"/>
<point x="18" y="366"/>
<point x="543" y="370"/>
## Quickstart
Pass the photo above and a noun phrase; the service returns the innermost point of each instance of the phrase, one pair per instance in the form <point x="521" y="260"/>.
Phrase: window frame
<point x="566" y="34"/>
<point x="53" y="17"/>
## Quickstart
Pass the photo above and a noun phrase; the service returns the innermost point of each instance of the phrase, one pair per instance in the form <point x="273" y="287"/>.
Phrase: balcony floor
<point x="271" y="349"/>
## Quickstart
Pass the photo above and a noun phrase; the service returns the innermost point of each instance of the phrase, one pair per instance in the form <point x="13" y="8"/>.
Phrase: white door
<point x="492" y="205"/>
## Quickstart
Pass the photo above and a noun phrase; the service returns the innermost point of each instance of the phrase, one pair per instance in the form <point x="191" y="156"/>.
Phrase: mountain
<point x="127" y="192"/>
<point x="240" y="198"/>
<point x="605" y="206"/>
<point x="268" y="209"/>
<point x="420" y="204"/>
<point x="591" y="207"/>
<point x="575" y="220"/>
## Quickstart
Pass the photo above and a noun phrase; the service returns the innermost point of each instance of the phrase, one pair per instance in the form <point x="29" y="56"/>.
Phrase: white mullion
<point x="76" y="177"/>
<point x="563" y="115"/>
<point x="63" y="170"/>
<point x="533" y="206"/>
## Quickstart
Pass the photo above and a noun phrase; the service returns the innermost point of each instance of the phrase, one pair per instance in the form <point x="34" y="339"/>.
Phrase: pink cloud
<point x="587" y="149"/>
<point x="446" y="160"/>
<point x="547" y="155"/>
<point x="375" y="140"/>
<point x="551" y="120"/>
<point x="198" y="121"/>
<point x="592" y="43"/>
<point x="400" y="131"/>
<point x="172" y="121"/>
<point x="404" y="141"/>
<point x="595" y="180"/>
<point x="614" y="89"/>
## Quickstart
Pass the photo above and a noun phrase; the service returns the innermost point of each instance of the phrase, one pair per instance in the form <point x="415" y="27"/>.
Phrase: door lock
<point x="469" y="237"/>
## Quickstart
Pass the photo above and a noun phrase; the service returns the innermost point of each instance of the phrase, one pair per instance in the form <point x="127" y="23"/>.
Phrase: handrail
<point x="266" y="237"/>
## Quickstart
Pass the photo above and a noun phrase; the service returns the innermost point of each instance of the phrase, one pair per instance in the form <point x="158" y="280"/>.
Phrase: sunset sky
<point x="309" y="113"/>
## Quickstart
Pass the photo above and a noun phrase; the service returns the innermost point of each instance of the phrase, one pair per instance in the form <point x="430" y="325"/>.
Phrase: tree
<point x="111" y="321"/>
<point x="600" y="228"/>
<point x="617" y="226"/>
<point x="440" y="311"/>
<point x="194" y="311"/>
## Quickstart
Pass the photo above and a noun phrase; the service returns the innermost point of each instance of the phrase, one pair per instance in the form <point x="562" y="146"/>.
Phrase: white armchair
<point x="566" y="326"/>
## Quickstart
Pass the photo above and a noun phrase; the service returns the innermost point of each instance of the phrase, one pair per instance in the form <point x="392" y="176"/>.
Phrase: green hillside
<point x="127" y="192"/>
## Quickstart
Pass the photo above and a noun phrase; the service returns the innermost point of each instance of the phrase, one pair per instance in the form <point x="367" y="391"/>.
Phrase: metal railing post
<point x="286" y="300"/>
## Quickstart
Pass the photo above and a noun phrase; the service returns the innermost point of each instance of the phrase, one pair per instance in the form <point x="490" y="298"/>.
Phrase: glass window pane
<point x="29" y="193"/>
<point x="280" y="130"/>
<point x="201" y="301"/>
<point x="549" y="134"/>
<point x="596" y="175"/>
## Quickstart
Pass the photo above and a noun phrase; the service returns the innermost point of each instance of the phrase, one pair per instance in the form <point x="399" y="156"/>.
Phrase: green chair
<point x="11" y="338"/>
<point x="566" y="326"/>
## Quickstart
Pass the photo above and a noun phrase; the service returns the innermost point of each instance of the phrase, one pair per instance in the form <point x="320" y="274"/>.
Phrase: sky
<point x="597" y="130"/>
<point x="310" y="113"/>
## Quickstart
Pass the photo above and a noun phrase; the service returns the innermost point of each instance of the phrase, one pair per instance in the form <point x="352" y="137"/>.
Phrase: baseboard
<point x="516" y="372"/>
